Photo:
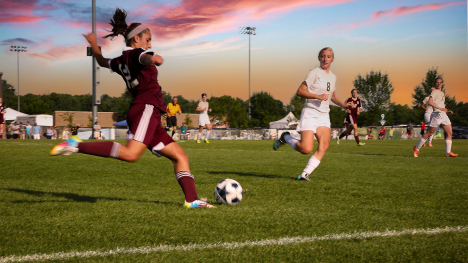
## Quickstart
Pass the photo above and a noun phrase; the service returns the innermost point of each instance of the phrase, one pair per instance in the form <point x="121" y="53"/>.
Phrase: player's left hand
<point x="91" y="38"/>
<point x="209" y="110"/>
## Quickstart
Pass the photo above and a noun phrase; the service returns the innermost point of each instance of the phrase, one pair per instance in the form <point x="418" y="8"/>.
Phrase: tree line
<point x="375" y="89"/>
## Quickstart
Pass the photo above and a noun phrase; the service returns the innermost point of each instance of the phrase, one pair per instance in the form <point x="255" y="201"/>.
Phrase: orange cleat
<point x="429" y="144"/>
<point x="424" y="145"/>
<point x="416" y="152"/>
<point x="451" y="154"/>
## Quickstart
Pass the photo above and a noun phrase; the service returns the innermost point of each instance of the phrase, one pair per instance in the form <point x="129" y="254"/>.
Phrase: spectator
<point x="65" y="134"/>
<point x="2" y="119"/>
<point x="409" y="130"/>
<point x="74" y="129"/>
<point x="369" y="134"/>
<point x="390" y="135"/>
<point x="97" y="131"/>
<point x="37" y="131"/>
<point x="49" y="133"/>
<point x="183" y="131"/>
<point x="22" y="131"/>
<point x="56" y="133"/>
<point x="169" y="131"/>
<point x="9" y="131"/>
<point x="382" y="133"/>
<point x="28" y="132"/>
<point x="16" y="130"/>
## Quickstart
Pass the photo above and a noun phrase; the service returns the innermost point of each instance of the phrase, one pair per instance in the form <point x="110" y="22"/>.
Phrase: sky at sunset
<point x="205" y="53"/>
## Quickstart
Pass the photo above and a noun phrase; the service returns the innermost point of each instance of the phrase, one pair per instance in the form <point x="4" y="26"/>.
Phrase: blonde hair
<point x="326" y="48"/>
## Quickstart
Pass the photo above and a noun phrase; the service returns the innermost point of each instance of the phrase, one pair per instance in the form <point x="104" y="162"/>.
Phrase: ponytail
<point x="120" y="27"/>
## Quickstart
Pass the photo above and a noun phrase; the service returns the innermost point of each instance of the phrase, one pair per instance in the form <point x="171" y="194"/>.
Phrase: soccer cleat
<point x="416" y="152"/>
<point x="304" y="178"/>
<point x="429" y="144"/>
<point x="198" y="141"/>
<point x="278" y="143"/>
<point x="451" y="154"/>
<point x="337" y="140"/>
<point x="361" y="144"/>
<point x="198" y="204"/>
<point x="424" y="145"/>
<point x="206" y="141"/>
<point x="67" y="147"/>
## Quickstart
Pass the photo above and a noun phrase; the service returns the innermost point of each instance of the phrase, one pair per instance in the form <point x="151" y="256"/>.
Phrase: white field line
<point x="229" y="245"/>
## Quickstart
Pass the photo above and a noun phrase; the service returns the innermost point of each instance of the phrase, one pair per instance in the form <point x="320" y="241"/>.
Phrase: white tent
<point x="284" y="123"/>
<point x="41" y="120"/>
<point x="11" y="114"/>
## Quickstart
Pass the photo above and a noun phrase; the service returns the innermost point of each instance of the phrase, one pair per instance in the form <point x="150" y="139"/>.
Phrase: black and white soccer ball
<point x="228" y="192"/>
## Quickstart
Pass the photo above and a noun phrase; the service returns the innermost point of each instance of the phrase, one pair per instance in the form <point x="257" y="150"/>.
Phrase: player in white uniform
<point x="427" y="115"/>
<point x="438" y="118"/>
<point x="318" y="88"/>
<point x="203" y="119"/>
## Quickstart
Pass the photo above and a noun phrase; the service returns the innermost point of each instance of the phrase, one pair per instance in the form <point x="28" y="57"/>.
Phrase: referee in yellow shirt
<point x="172" y="109"/>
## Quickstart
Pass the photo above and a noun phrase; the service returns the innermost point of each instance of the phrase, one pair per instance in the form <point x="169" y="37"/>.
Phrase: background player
<point x="438" y="118"/>
<point x="203" y="119"/>
<point x="352" y="117"/>
<point x="136" y="66"/>
<point x="427" y="115"/>
<point x="172" y="109"/>
<point x="2" y="119"/>
<point x="318" y="88"/>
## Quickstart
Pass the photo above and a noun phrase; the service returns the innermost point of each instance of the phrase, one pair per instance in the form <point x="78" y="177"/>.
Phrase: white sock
<point x="430" y="138"/>
<point x="207" y="134"/>
<point x="420" y="143"/>
<point x="291" y="141"/>
<point x="448" y="146"/>
<point x="199" y="136"/>
<point x="311" y="165"/>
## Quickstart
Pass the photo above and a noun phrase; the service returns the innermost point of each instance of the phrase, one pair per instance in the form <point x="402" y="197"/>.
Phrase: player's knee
<point x="306" y="150"/>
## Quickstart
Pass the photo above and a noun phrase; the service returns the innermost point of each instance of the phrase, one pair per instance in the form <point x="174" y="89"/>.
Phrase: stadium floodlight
<point x="18" y="49"/>
<point x="248" y="31"/>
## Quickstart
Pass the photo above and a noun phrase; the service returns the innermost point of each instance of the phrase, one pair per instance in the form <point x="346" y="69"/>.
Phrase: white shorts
<point x="37" y="136"/>
<point x="203" y="119"/>
<point x="427" y="117"/>
<point x="439" y="118"/>
<point x="311" y="119"/>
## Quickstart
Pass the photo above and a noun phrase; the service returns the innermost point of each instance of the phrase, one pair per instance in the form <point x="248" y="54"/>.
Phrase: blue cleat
<point x="304" y="178"/>
<point x="198" y="204"/>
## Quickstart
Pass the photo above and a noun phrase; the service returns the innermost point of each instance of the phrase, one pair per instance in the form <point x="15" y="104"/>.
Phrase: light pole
<point x="18" y="49"/>
<point x="248" y="31"/>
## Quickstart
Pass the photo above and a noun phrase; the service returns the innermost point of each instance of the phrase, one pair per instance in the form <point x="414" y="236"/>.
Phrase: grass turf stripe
<point x="230" y="245"/>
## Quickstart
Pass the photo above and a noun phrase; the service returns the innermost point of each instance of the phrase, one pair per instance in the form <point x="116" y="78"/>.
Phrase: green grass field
<point x="83" y="203"/>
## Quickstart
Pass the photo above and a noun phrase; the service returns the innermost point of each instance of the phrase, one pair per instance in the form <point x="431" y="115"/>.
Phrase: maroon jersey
<point x="2" y="108"/>
<point x="141" y="80"/>
<point x="357" y="104"/>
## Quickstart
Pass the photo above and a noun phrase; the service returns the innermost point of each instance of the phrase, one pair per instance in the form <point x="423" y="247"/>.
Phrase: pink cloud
<point x="195" y="18"/>
<point x="405" y="10"/>
<point x="18" y="11"/>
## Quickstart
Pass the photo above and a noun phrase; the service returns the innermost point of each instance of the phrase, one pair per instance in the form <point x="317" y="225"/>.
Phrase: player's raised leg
<point x="323" y="139"/>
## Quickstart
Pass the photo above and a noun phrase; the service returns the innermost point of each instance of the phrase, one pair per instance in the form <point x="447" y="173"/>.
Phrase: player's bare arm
<point x="103" y="62"/>
<point x="198" y="109"/>
<point x="303" y="93"/>
<point x="423" y="106"/>
<point x="338" y="102"/>
<point x="149" y="60"/>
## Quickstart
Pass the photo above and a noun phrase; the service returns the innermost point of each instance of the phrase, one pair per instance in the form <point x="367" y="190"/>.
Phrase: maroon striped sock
<point x="357" y="138"/>
<point x="105" y="149"/>
<point x="187" y="183"/>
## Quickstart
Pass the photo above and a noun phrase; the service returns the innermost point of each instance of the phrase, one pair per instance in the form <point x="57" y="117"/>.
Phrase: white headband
<point x="136" y="31"/>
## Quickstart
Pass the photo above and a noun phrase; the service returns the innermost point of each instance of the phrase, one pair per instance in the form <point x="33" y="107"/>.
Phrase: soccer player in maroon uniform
<point x="352" y="117"/>
<point x="137" y="68"/>
<point x="2" y="119"/>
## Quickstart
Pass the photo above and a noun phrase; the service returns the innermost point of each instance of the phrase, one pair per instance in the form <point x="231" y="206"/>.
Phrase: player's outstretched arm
<point x="103" y="62"/>
<point x="303" y="93"/>
<point x="338" y="102"/>
<point x="149" y="60"/>
<point x="423" y="106"/>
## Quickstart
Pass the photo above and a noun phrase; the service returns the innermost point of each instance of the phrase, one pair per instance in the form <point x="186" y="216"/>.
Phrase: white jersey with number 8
<point x="319" y="82"/>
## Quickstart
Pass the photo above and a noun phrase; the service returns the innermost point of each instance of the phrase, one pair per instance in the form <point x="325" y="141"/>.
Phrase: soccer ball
<point x="228" y="192"/>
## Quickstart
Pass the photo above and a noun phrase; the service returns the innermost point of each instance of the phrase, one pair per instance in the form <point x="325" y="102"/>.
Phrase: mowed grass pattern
<point x="87" y="203"/>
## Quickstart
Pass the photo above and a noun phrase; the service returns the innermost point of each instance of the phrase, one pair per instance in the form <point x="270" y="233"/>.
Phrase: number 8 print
<point x="328" y="86"/>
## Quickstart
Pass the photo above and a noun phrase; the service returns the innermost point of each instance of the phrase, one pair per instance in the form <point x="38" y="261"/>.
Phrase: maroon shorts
<point x="144" y="121"/>
<point x="2" y="121"/>
<point x="352" y="119"/>
<point x="409" y="132"/>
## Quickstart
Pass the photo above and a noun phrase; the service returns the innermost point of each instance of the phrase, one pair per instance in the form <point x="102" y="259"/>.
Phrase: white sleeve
<point x="310" y="78"/>
<point x="145" y="52"/>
